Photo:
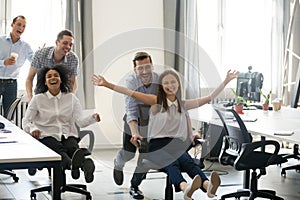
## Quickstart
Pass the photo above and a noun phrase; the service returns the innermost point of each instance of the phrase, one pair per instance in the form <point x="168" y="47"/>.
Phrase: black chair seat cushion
<point x="258" y="160"/>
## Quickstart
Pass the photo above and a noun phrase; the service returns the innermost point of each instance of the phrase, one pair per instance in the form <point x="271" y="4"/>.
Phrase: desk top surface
<point x="18" y="146"/>
<point x="267" y="123"/>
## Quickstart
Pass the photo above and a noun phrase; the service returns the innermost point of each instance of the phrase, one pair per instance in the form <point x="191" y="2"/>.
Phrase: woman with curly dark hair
<point x="52" y="116"/>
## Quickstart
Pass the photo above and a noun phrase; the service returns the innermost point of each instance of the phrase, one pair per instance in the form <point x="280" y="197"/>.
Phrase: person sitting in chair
<point x="168" y="133"/>
<point x="52" y="116"/>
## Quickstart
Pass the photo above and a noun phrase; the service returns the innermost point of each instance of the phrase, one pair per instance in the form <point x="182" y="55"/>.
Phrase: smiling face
<point x="53" y="81"/>
<point x="18" y="28"/>
<point x="64" y="45"/>
<point x="144" y="70"/>
<point x="170" y="86"/>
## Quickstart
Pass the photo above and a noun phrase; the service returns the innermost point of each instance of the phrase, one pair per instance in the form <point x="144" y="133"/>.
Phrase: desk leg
<point x="263" y="138"/>
<point x="246" y="179"/>
<point x="56" y="182"/>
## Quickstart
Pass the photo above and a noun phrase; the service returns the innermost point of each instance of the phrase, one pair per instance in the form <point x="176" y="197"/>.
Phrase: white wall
<point x="122" y="28"/>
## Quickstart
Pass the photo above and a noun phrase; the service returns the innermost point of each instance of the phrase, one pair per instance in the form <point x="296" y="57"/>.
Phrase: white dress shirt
<point x="55" y="115"/>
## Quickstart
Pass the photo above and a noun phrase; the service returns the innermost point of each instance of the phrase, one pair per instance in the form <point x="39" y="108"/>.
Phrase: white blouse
<point x="171" y="123"/>
<point x="55" y="115"/>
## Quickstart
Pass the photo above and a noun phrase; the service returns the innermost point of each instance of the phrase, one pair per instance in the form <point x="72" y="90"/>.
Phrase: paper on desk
<point x="4" y="139"/>
<point x="247" y="118"/>
<point x="284" y="132"/>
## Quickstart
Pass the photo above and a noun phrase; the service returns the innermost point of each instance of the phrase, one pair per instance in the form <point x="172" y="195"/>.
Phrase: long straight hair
<point x="161" y="95"/>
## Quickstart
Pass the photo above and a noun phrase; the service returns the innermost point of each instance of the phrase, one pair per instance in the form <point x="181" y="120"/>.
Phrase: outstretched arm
<point x="149" y="99"/>
<point x="194" y="103"/>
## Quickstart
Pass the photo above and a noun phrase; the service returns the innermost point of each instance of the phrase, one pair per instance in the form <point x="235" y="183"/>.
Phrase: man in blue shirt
<point x="142" y="79"/>
<point x="13" y="54"/>
<point x="61" y="54"/>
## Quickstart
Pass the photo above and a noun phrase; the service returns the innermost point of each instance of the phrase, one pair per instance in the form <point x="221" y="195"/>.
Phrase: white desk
<point x="18" y="150"/>
<point x="267" y="122"/>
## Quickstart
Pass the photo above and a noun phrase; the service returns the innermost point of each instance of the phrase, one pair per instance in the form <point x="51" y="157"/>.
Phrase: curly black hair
<point x="65" y="85"/>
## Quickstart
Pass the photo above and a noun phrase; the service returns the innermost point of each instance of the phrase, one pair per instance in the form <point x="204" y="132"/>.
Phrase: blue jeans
<point x="8" y="91"/>
<point x="184" y="163"/>
<point x="174" y="159"/>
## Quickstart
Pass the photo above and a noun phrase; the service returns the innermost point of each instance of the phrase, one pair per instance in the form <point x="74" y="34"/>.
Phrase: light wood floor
<point x="104" y="188"/>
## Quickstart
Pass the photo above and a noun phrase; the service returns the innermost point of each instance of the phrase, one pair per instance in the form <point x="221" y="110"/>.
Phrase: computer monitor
<point x="248" y="84"/>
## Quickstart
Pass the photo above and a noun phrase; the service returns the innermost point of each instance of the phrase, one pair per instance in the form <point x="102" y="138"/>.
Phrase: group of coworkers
<point x="54" y="111"/>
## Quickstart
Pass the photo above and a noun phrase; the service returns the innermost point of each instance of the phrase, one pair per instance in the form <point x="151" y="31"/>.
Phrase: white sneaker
<point x="213" y="184"/>
<point x="192" y="187"/>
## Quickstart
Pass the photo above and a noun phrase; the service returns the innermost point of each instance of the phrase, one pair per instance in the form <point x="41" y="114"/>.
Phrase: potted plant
<point x="265" y="105"/>
<point x="239" y="103"/>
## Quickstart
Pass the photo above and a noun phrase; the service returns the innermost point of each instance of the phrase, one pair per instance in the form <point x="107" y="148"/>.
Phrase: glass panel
<point x="247" y="36"/>
<point x="237" y="34"/>
<point x="45" y="18"/>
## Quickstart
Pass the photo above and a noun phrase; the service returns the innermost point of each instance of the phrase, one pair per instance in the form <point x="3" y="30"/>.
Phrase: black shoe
<point x="136" y="193"/>
<point x="75" y="173"/>
<point x="118" y="175"/>
<point x="32" y="171"/>
<point x="88" y="168"/>
<point x="77" y="161"/>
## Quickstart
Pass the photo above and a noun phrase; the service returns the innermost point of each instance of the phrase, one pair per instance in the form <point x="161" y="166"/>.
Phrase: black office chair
<point x="10" y="115"/>
<point x="295" y="155"/>
<point x="239" y="151"/>
<point x="142" y="159"/>
<point x="76" y="188"/>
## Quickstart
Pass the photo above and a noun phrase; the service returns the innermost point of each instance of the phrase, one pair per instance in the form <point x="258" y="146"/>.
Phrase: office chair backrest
<point x="12" y="108"/>
<point x="143" y="114"/>
<point x="83" y="133"/>
<point x="234" y="139"/>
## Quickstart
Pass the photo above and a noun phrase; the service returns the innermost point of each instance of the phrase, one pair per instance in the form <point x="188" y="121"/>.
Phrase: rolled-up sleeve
<point x="131" y="103"/>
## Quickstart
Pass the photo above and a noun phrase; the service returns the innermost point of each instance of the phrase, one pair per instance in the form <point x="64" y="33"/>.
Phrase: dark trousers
<point x="127" y="153"/>
<point x="8" y="91"/>
<point x="66" y="148"/>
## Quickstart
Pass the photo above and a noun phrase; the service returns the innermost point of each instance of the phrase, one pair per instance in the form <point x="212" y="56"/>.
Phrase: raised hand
<point x="232" y="75"/>
<point x="98" y="80"/>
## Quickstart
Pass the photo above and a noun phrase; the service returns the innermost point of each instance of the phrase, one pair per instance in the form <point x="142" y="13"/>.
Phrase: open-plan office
<point x="233" y="34"/>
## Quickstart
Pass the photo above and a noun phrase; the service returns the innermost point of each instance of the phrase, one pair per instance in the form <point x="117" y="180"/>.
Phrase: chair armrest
<point x="83" y="133"/>
<point x="247" y="148"/>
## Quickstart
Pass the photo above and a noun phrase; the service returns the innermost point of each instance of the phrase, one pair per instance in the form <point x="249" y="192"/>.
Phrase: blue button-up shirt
<point x="22" y="48"/>
<point x="133" y="82"/>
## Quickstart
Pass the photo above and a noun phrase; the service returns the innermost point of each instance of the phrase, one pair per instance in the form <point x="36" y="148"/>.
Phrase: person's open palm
<point x="98" y="80"/>
<point x="232" y="74"/>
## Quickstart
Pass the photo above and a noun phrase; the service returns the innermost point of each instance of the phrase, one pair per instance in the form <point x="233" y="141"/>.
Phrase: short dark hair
<point x="63" y="71"/>
<point x="19" y="16"/>
<point x="66" y="32"/>
<point x="141" y="56"/>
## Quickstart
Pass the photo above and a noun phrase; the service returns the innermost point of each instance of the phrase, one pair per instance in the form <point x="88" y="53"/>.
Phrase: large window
<point x="237" y="34"/>
<point x="45" y="18"/>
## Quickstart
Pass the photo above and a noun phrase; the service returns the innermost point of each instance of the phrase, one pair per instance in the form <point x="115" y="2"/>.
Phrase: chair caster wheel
<point x="16" y="179"/>
<point x="89" y="197"/>
<point x="33" y="196"/>
<point x="283" y="173"/>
